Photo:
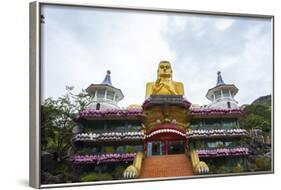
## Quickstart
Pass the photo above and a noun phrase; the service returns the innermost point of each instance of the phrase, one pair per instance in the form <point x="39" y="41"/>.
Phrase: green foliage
<point x="66" y="169"/>
<point x="84" y="151"/>
<point x="252" y="167"/>
<point x="223" y="169"/>
<point x="258" y="114"/>
<point x="259" y="109"/>
<point x="264" y="100"/>
<point x="129" y="149"/>
<point x="109" y="149"/>
<point x="57" y="120"/>
<point x="220" y="146"/>
<point x="95" y="177"/>
<point x="199" y="145"/>
<point x="56" y="127"/>
<point x="118" y="172"/>
<point x="212" y="168"/>
<point x="237" y="169"/>
<point x="256" y="121"/>
<point x="263" y="163"/>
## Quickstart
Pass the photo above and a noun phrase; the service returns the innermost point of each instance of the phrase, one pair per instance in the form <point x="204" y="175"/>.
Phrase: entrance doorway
<point x="165" y="147"/>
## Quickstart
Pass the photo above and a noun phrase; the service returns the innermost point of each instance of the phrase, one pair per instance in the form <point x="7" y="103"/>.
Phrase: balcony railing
<point x="102" y="158"/>
<point x="216" y="133"/>
<point x="111" y="136"/>
<point x="221" y="152"/>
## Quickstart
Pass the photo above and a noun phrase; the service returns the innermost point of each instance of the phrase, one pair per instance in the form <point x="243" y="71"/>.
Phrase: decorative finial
<point x="219" y="80"/>
<point x="107" y="79"/>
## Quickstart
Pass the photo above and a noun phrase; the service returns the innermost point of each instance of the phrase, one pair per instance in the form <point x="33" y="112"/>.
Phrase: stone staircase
<point x="166" y="166"/>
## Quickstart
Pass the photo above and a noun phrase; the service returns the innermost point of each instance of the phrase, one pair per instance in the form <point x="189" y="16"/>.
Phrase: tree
<point x="259" y="109"/>
<point x="258" y="115"/>
<point x="256" y="121"/>
<point x="57" y="120"/>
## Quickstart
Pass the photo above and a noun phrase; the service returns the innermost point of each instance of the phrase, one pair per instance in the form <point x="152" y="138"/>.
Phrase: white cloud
<point x="242" y="53"/>
<point x="132" y="44"/>
<point x="224" y="23"/>
<point x="132" y="50"/>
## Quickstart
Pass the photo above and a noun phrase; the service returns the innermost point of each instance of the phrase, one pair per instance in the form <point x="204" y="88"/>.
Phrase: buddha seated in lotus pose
<point x="164" y="84"/>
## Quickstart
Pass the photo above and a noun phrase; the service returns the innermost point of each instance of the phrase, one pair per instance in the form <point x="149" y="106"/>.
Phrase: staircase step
<point x="166" y="166"/>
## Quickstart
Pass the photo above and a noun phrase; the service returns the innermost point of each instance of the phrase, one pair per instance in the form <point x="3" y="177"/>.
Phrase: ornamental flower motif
<point x="112" y="136"/>
<point x="219" y="152"/>
<point x="208" y="111"/>
<point x="138" y="112"/>
<point x="103" y="158"/>
<point x="203" y="133"/>
<point x="109" y="113"/>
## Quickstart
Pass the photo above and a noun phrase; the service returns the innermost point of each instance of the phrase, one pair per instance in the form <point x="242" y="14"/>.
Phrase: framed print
<point x="133" y="94"/>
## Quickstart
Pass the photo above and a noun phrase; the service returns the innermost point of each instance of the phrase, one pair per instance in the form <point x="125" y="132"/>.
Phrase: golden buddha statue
<point x="164" y="85"/>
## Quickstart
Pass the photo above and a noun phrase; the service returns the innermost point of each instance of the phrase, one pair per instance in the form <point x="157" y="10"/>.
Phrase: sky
<point x="80" y="44"/>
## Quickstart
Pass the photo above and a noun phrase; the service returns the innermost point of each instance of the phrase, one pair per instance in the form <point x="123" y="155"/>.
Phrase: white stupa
<point x="222" y="95"/>
<point x="105" y="95"/>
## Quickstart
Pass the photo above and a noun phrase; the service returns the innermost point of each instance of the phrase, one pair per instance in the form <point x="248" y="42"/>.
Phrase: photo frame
<point x="83" y="137"/>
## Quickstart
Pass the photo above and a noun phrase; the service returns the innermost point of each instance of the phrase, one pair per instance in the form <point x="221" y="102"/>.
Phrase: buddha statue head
<point x="164" y="70"/>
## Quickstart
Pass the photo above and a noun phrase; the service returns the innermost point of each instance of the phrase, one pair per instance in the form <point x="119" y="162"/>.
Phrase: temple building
<point x="165" y="136"/>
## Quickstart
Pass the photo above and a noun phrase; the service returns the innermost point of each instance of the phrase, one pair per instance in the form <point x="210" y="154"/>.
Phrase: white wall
<point x="223" y="104"/>
<point x="14" y="94"/>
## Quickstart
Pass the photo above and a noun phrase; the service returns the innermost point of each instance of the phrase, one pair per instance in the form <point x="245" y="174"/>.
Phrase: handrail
<point x="134" y="170"/>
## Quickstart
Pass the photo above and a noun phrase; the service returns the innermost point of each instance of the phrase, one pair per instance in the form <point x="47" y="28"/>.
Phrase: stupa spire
<point x="219" y="80"/>
<point x="107" y="79"/>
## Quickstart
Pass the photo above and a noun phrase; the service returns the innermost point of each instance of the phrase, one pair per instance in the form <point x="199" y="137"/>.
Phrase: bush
<point x="85" y="151"/>
<point x="237" y="169"/>
<point x="252" y="167"/>
<point x="65" y="169"/>
<point x="263" y="163"/>
<point x="223" y="170"/>
<point x="199" y="145"/>
<point x="109" y="149"/>
<point x="129" y="149"/>
<point x="212" y="168"/>
<point x="96" y="177"/>
<point x="118" y="172"/>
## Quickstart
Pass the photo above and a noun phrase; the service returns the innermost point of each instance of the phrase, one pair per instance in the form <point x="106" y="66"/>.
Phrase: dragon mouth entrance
<point x="166" y="131"/>
<point x="165" y="139"/>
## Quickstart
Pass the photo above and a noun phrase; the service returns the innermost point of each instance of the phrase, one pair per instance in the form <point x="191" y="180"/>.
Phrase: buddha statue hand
<point x="130" y="172"/>
<point x="158" y="82"/>
<point x="162" y="84"/>
<point x="158" y="86"/>
<point x="201" y="168"/>
<point x="133" y="171"/>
